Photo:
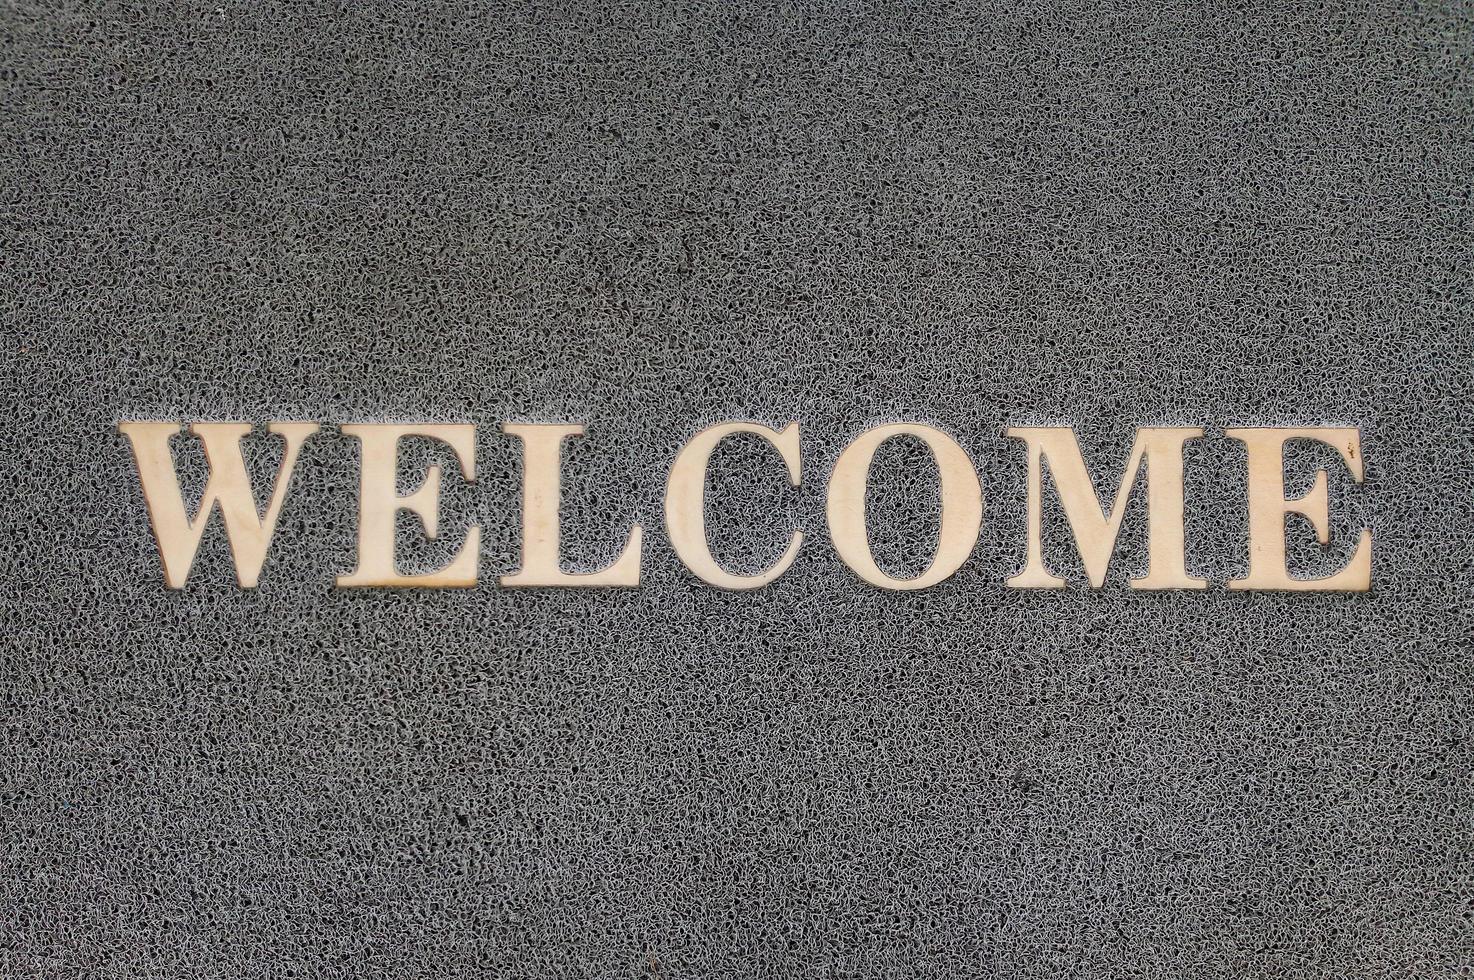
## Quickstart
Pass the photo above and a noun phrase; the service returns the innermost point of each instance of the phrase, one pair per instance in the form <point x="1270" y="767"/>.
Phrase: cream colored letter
<point x="1268" y="507"/>
<point x="379" y="503"/>
<point x="962" y="506"/>
<point x="685" y="504"/>
<point x="541" y="491"/>
<point x="229" y="486"/>
<point x="1095" y="533"/>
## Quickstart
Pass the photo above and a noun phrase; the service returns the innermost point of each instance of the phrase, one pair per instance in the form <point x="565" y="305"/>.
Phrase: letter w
<point x="229" y="486"/>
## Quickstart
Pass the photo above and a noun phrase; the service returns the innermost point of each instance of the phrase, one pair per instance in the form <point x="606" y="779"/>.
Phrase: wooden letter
<point x="1268" y="507"/>
<point x="541" y="490"/>
<point x="1095" y="533"/>
<point x="962" y="506"/>
<point x="685" y="504"/>
<point x="248" y="533"/>
<point x="379" y="503"/>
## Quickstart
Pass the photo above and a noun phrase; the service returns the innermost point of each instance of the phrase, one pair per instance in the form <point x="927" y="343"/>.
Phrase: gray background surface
<point x="648" y="218"/>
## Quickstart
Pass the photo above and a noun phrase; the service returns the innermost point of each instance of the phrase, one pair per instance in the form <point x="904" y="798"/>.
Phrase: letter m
<point x="229" y="487"/>
<point x="1095" y="530"/>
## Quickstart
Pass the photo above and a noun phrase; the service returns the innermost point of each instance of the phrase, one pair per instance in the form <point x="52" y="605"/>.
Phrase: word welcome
<point x="249" y="532"/>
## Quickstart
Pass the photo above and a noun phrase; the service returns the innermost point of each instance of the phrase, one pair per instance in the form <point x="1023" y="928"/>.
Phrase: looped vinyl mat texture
<point x="649" y="218"/>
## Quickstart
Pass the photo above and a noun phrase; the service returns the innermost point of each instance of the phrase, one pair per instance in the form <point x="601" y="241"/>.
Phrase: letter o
<point x="962" y="506"/>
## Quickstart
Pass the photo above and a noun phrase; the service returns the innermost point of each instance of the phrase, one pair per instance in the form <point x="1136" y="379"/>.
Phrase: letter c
<point x="685" y="504"/>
